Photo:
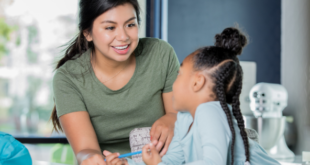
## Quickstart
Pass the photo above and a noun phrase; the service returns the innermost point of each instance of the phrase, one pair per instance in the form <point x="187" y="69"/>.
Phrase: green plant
<point x="5" y="31"/>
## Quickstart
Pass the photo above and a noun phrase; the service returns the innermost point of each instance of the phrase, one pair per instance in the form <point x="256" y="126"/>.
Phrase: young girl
<point x="210" y="128"/>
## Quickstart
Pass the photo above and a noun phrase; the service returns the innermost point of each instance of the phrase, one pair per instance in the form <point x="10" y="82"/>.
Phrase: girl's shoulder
<point x="211" y="113"/>
<point x="210" y="108"/>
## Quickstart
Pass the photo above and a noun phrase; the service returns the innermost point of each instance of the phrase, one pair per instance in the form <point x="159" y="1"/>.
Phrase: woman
<point x="110" y="82"/>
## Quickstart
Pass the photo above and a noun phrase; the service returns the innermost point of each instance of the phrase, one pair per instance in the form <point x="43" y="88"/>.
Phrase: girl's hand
<point x="150" y="155"/>
<point x="162" y="132"/>
<point x="112" y="158"/>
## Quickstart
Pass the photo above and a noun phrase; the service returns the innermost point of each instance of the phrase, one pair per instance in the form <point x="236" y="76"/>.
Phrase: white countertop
<point x="285" y="163"/>
<point x="45" y="163"/>
<point x="296" y="161"/>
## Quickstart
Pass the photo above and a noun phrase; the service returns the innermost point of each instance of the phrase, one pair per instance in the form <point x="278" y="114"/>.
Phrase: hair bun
<point x="232" y="39"/>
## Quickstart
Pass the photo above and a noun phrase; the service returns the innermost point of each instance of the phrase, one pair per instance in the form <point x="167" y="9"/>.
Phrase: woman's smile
<point x="121" y="49"/>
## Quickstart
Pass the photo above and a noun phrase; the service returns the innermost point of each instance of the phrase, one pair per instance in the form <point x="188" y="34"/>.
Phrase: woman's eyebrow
<point x="130" y="19"/>
<point x="109" y="21"/>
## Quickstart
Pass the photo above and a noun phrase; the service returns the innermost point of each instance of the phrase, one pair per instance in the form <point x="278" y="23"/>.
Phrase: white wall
<point x="249" y="80"/>
<point x="142" y="30"/>
<point x="295" y="71"/>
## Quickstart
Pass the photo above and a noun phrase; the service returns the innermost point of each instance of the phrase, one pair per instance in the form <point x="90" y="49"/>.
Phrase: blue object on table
<point x="12" y="151"/>
<point x="128" y="154"/>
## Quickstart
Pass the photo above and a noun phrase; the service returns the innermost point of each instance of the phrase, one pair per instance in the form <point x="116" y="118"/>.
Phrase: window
<point x="31" y="35"/>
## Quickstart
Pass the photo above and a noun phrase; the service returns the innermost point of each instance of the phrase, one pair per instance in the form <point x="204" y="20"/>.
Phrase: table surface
<point x="296" y="161"/>
<point x="45" y="163"/>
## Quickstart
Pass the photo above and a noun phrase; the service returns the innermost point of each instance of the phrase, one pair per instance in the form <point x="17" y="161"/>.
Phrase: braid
<point x="238" y="115"/>
<point x="221" y="79"/>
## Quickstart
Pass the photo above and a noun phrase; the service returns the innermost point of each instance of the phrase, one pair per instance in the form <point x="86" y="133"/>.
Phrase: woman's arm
<point x="162" y="130"/>
<point x="82" y="138"/>
<point x="75" y="121"/>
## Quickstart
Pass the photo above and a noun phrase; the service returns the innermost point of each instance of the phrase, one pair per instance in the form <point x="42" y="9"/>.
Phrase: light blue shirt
<point x="12" y="152"/>
<point x="209" y="140"/>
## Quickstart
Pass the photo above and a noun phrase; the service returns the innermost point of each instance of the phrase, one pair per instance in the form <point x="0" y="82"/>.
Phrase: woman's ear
<point x="87" y="35"/>
<point x="199" y="82"/>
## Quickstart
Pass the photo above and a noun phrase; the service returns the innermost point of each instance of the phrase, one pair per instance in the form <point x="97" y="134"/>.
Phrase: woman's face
<point x="115" y="33"/>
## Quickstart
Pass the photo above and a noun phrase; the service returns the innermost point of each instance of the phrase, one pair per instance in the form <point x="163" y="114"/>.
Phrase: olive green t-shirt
<point x="114" y="113"/>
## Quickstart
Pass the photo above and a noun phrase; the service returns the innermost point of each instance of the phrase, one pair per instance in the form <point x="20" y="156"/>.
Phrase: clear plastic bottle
<point x="305" y="158"/>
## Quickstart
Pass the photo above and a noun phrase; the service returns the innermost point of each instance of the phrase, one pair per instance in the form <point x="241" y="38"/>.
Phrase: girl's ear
<point x="199" y="82"/>
<point x="87" y="35"/>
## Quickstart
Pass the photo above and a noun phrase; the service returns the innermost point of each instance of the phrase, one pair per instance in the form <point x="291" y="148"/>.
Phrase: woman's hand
<point x="150" y="155"/>
<point x="91" y="157"/>
<point x="162" y="132"/>
<point x="112" y="158"/>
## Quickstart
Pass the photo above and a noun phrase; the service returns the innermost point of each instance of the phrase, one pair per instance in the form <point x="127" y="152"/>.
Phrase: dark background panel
<point x="193" y="24"/>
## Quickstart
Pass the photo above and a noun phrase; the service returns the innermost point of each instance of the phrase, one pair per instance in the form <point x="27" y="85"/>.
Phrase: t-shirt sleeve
<point x="172" y="65"/>
<point x="67" y="97"/>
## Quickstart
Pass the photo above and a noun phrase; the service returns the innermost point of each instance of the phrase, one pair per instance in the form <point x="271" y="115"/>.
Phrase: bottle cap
<point x="305" y="156"/>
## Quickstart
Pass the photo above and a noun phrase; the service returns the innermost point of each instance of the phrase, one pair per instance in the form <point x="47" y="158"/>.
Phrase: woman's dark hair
<point x="227" y="74"/>
<point x="89" y="11"/>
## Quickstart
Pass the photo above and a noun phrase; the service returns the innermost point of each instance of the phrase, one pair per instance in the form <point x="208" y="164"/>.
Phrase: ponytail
<point x="55" y="121"/>
<point x="76" y="48"/>
<point x="222" y="76"/>
<point x="235" y="93"/>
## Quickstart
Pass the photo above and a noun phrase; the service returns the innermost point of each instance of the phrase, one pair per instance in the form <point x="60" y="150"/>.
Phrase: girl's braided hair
<point x="226" y="73"/>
